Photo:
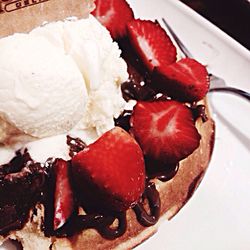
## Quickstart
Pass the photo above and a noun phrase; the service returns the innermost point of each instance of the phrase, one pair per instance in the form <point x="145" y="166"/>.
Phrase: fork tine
<point x="181" y="46"/>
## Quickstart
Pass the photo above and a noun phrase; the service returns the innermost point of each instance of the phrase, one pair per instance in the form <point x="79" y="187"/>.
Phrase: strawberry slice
<point x="152" y="43"/>
<point x="165" y="130"/>
<point x="186" y="80"/>
<point x="110" y="173"/>
<point x="114" y="15"/>
<point x="63" y="195"/>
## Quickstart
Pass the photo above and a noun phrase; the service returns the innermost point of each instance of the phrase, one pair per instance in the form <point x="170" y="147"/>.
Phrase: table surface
<point x="232" y="16"/>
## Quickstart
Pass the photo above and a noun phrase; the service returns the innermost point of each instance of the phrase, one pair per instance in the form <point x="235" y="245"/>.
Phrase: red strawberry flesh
<point x="114" y="15"/>
<point x="110" y="173"/>
<point x="152" y="43"/>
<point x="165" y="130"/>
<point x="186" y="80"/>
<point x="63" y="195"/>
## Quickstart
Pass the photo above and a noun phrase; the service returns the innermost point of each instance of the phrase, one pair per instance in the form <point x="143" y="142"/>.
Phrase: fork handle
<point x="232" y="90"/>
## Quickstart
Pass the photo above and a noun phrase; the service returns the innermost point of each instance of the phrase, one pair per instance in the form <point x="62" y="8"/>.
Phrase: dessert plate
<point x="217" y="216"/>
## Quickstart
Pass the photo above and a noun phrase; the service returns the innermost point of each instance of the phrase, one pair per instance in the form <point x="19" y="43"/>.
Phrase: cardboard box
<point x="24" y="15"/>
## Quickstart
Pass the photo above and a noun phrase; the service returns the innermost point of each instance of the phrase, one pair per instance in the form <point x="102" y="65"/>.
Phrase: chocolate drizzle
<point x="75" y="145"/>
<point x="15" y="165"/>
<point x="152" y="196"/>
<point x="137" y="91"/>
<point x="162" y="171"/>
<point x="111" y="233"/>
<point x="168" y="173"/>
<point x="123" y="120"/>
<point x="199" y="111"/>
<point x="21" y="184"/>
<point x="104" y="224"/>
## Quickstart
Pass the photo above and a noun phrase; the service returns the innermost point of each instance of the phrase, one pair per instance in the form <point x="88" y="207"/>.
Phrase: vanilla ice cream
<point x="60" y="78"/>
<point x="42" y="91"/>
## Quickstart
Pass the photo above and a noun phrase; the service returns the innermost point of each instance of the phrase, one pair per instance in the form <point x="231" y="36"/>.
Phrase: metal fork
<point x="216" y="83"/>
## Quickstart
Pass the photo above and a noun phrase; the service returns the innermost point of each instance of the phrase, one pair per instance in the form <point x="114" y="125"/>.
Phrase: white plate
<point x="217" y="216"/>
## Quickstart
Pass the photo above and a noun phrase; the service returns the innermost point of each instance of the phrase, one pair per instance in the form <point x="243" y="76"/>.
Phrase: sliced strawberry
<point x="165" y="130"/>
<point x="114" y="15"/>
<point x="63" y="195"/>
<point x="186" y="80"/>
<point x="152" y="43"/>
<point x="110" y="173"/>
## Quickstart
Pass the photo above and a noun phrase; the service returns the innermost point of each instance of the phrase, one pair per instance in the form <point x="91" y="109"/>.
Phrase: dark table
<point x="232" y="16"/>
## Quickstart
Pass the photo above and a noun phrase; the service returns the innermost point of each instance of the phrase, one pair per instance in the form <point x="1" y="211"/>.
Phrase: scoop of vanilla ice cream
<point x="98" y="59"/>
<point x="61" y="77"/>
<point x="42" y="91"/>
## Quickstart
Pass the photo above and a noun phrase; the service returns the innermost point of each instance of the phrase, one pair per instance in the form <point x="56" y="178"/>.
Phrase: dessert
<point x="104" y="178"/>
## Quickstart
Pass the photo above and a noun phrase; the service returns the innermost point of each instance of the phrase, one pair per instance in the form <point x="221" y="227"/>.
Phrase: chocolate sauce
<point x="21" y="184"/>
<point x="152" y="196"/>
<point x="75" y="145"/>
<point x="104" y="224"/>
<point x="10" y="219"/>
<point x="168" y="173"/>
<point x="123" y="120"/>
<point x="162" y="171"/>
<point x="111" y="233"/>
<point x="136" y="91"/>
<point x="16" y="164"/>
<point x="199" y="111"/>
